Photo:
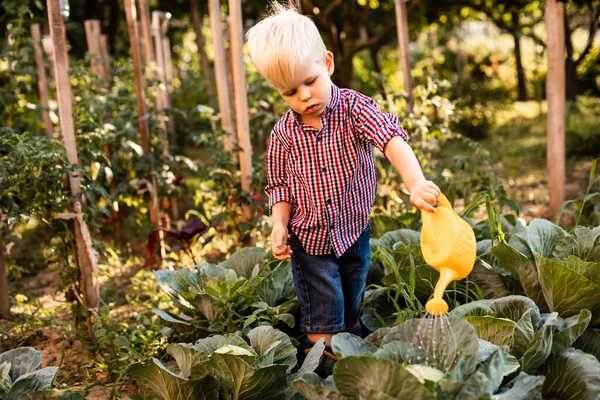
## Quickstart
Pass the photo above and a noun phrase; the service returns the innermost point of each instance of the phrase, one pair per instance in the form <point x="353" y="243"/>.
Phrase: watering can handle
<point x="443" y="201"/>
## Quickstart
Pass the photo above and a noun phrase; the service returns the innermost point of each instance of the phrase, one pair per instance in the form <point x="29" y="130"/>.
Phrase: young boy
<point x="321" y="173"/>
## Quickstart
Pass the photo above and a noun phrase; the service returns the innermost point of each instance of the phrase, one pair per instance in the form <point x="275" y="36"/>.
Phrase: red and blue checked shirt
<point x="329" y="175"/>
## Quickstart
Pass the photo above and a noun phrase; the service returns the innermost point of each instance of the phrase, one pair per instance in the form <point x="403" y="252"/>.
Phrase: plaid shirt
<point x="329" y="175"/>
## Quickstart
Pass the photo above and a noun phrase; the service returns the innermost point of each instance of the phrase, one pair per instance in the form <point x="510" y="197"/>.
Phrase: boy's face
<point x="310" y="92"/>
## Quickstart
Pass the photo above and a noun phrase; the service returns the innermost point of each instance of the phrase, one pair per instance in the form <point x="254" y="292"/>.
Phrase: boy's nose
<point x="305" y="95"/>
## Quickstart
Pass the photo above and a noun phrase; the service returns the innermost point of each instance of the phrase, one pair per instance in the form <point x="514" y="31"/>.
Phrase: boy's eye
<point x="310" y="82"/>
<point x="290" y="93"/>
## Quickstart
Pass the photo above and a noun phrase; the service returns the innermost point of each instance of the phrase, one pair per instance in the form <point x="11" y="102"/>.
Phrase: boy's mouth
<point x="312" y="108"/>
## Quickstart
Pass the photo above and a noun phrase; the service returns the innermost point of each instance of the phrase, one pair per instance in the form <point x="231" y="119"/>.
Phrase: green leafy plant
<point x="227" y="367"/>
<point x="547" y="261"/>
<point x="236" y="294"/>
<point x="424" y="359"/>
<point x="20" y="377"/>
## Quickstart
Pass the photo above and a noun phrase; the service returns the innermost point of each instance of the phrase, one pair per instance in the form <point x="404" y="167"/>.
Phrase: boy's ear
<point x="329" y="62"/>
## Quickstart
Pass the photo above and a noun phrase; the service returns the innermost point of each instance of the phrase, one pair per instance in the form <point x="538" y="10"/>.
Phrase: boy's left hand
<point x="423" y="195"/>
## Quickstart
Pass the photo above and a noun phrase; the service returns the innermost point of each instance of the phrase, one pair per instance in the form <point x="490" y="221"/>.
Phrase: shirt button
<point x="328" y="201"/>
<point x="331" y="227"/>
<point x="323" y="169"/>
<point x="319" y="138"/>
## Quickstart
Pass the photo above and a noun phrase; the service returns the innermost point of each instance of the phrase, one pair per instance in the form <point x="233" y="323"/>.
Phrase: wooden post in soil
<point x="105" y="58"/>
<point x="145" y="32"/>
<point x="4" y="298"/>
<point x="241" y="98"/>
<point x="556" y="97"/>
<point x="42" y="80"/>
<point x="216" y="29"/>
<point x="85" y="258"/>
<point x="163" y="103"/>
<point x="92" y="34"/>
<point x="201" y="43"/>
<point x="403" y="41"/>
<point x="141" y="105"/>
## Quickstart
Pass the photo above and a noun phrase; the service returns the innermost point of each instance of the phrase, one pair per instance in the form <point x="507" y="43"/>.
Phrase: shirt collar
<point x="333" y="103"/>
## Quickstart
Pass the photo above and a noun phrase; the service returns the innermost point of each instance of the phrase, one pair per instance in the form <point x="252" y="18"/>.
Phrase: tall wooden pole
<point x="556" y="97"/>
<point x="403" y="41"/>
<point x="141" y="105"/>
<point x="85" y="258"/>
<point x="42" y="80"/>
<point x="92" y="34"/>
<point x="104" y="49"/>
<point x="145" y="31"/>
<point x="201" y="43"/>
<point x="214" y="7"/>
<point x="4" y="298"/>
<point x="241" y="96"/>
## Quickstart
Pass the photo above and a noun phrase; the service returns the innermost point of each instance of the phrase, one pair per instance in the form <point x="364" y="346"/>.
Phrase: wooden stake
<point x="403" y="41"/>
<point x="92" y="34"/>
<point x="201" y="43"/>
<point x="86" y="261"/>
<point x="145" y="31"/>
<point x="42" y="80"/>
<point x="4" y="298"/>
<point x="214" y="7"/>
<point x="141" y="105"/>
<point x="556" y="97"/>
<point x="241" y="97"/>
<point x="106" y="59"/>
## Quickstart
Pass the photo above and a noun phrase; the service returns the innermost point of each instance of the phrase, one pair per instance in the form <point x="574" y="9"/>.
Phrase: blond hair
<point x="282" y="41"/>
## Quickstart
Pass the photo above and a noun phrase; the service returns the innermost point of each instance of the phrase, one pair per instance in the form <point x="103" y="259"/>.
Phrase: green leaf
<point x="370" y="375"/>
<point x="498" y="331"/>
<point x="276" y="286"/>
<point x="22" y="360"/>
<point x="153" y="376"/>
<point x="32" y="382"/>
<point x="486" y="349"/>
<point x="402" y="353"/>
<point x="486" y="379"/>
<point x="522" y="268"/>
<point x="523" y="335"/>
<point x="589" y="341"/>
<point x="574" y="327"/>
<point x="346" y="344"/>
<point x="5" y="381"/>
<point x="574" y="375"/>
<point x="558" y="279"/>
<point x="543" y="236"/>
<point x="514" y="307"/>
<point x="444" y="339"/>
<point x="404" y="236"/>
<point x="170" y="317"/>
<point x="523" y="387"/>
<point x="244" y="260"/>
<point x="540" y="348"/>
<point x="313" y="387"/>
<point x="186" y="356"/>
<point x="264" y="338"/>
<point x="210" y="344"/>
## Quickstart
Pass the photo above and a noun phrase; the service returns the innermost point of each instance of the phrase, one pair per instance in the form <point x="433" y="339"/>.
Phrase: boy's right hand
<point x="279" y="237"/>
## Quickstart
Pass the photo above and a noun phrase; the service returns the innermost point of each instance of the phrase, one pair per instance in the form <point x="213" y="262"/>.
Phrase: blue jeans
<point x="330" y="290"/>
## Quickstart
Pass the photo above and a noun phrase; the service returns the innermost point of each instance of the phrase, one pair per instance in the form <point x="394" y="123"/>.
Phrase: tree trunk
<point x="403" y="43"/>
<point x="521" y="80"/>
<point x="570" y="66"/>
<point x="4" y="299"/>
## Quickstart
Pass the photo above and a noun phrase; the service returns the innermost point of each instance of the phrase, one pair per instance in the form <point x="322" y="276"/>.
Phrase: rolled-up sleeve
<point x="372" y="125"/>
<point x="277" y="188"/>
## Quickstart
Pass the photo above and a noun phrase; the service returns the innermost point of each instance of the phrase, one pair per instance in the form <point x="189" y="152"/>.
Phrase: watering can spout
<point x="448" y="245"/>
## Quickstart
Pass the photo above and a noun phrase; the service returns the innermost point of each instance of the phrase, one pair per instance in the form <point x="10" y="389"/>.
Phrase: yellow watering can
<point x="448" y="245"/>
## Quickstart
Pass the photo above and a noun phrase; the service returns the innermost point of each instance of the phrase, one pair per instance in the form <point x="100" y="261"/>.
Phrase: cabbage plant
<point x="227" y="367"/>
<point x="559" y="271"/>
<point x="541" y="342"/>
<point x="433" y="358"/>
<point x="239" y="293"/>
<point x="21" y="379"/>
